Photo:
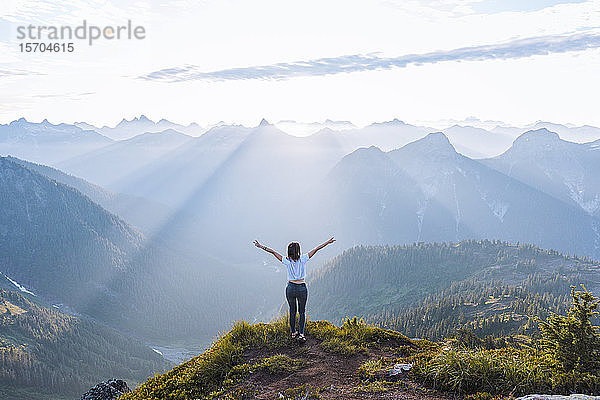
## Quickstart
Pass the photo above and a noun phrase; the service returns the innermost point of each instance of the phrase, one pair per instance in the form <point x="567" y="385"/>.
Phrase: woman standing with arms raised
<point x="296" y="291"/>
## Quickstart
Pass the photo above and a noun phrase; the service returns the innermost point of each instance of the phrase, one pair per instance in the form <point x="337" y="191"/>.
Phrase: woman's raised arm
<point x="268" y="250"/>
<point x="319" y="247"/>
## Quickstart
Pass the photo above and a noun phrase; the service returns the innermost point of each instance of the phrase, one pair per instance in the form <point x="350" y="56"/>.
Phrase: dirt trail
<point x="335" y="375"/>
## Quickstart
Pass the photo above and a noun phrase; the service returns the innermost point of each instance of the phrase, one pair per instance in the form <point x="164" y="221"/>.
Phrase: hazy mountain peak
<point x="362" y="163"/>
<point x="369" y="150"/>
<point x="434" y="148"/>
<point x="393" y="122"/>
<point x="546" y="124"/>
<point x="324" y="131"/>
<point x="264" y="122"/>
<point x="85" y="126"/>
<point x="330" y="121"/>
<point x="20" y="121"/>
<point x="436" y="140"/>
<point x="170" y="131"/>
<point x="364" y="154"/>
<point x="167" y="133"/>
<point x="538" y="136"/>
<point x="141" y="118"/>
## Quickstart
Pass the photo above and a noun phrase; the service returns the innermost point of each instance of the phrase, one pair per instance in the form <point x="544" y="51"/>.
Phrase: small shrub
<point x="506" y="371"/>
<point x="301" y="351"/>
<point x="277" y="364"/>
<point x="302" y="392"/>
<point x="467" y="338"/>
<point x="238" y="372"/>
<point x="369" y="369"/>
<point x="338" y="346"/>
<point x="571" y="342"/>
<point x="354" y="335"/>
<point x="371" y="387"/>
<point x="479" y="396"/>
<point x="280" y="363"/>
<point x="243" y="393"/>
<point x="401" y="351"/>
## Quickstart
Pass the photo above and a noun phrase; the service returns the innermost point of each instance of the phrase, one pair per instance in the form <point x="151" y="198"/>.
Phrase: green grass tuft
<point x="302" y="392"/>
<point x="373" y="387"/>
<point x="369" y="369"/>
<point x="281" y="364"/>
<point x="502" y="372"/>
<point x="353" y="336"/>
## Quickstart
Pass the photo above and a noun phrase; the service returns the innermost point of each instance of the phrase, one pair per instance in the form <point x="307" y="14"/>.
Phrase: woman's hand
<point x="319" y="247"/>
<point x="268" y="250"/>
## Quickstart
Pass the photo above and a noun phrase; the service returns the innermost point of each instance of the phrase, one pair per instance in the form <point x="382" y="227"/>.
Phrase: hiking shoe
<point x="302" y="338"/>
<point x="294" y="335"/>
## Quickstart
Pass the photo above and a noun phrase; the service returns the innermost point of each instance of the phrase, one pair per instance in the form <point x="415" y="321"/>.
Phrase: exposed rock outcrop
<point x="108" y="390"/>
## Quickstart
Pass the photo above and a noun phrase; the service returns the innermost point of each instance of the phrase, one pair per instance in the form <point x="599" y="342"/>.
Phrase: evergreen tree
<point x="571" y="341"/>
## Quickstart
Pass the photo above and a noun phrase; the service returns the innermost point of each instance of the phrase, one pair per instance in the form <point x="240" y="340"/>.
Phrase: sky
<point x="361" y="61"/>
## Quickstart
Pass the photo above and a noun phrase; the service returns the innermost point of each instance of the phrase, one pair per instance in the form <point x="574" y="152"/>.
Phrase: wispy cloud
<point x="17" y="72"/>
<point x="62" y="95"/>
<point x="519" y="48"/>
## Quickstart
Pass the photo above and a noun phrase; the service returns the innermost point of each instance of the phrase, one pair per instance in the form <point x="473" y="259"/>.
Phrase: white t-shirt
<point x="296" y="269"/>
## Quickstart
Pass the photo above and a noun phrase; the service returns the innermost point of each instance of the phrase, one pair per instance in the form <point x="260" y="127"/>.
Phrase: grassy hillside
<point x="46" y="354"/>
<point x="358" y="361"/>
<point x="261" y="360"/>
<point x="431" y="289"/>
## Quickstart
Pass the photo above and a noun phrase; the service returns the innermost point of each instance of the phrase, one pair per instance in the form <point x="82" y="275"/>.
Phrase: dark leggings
<point x="299" y="292"/>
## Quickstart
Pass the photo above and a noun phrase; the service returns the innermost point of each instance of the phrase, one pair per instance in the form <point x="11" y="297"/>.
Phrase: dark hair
<point x="294" y="251"/>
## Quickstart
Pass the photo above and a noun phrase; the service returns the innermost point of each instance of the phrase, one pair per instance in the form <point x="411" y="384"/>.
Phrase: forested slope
<point x="68" y="250"/>
<point x="432" y="289"/>
<point x="44" y="351"/>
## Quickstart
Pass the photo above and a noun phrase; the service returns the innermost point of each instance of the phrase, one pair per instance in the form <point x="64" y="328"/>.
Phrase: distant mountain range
<point x="426" y="191"/>
<point x="565" y="170"/>
<point x="577" y="134"/>
<point x="48" y="143"/>
<point x="124" y="157"/>
<point x="411" y="186"/>
<point x="308" y="128"/>
<point x="126" y="129"/>
<point x="51" y="144"/>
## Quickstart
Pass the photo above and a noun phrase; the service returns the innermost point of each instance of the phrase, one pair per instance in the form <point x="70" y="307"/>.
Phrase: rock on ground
<point x="108" y="390"/>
